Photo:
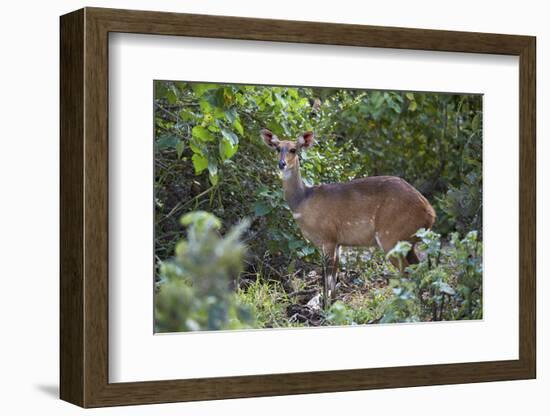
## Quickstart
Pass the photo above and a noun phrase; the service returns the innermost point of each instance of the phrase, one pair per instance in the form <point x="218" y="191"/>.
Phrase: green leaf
<point x="413" y="106"/>
<point x="195" y="147"/>
<point x="215" y="97"/>
<point x="167" y="141"/>
<point x="171" y="97"/>
<point x="306" y="251"/>
<point x="212" y="166"/>
<point x="229" y="135"/>
<point x="200" y="88"/>
<point x="179" y="148"/>
<point x="399" y="250"/>
<point x="261" y="209"/>
<point x="238" y="126"/>
<point x="476" y="122"/>
<point x="227" y="150"/>
<point x="263" y="190"/>
<point x="160" y="89"/>
<point x="293" y="92"/>
<point x="186" y="115"/>
<point x="410" y="96"/>
<point x="231" y="114"/>
<point x="376" y="99"/>
<point x="445" y="288"/>
<point x="202" y="133"/>
<point x="394" y="106"/>
<point x="200" y="163"/>
<point x="205" y="106"/>
<point x="213" y="179"/>
<point x="295" y="244"/>
<point x="180" y="85"/>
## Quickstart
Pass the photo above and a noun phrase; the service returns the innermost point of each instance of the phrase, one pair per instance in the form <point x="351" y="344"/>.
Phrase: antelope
<point x="366" y="212"/>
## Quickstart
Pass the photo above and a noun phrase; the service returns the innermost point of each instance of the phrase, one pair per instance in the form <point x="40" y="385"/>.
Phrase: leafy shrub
<point x="462" y="205"/>
<point x="445" y="285"/>
<point x="339" y="314"/>
<point x="195" y="292"/>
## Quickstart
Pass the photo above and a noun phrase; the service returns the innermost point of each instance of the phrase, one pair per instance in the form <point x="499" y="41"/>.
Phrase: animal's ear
<point x="306" y="140"/>
<point x="269" y="138"/>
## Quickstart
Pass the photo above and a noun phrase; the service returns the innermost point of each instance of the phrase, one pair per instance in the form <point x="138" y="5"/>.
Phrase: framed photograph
<point x="254" y="207"/>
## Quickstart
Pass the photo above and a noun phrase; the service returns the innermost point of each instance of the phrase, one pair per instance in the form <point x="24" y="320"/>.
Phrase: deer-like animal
<point x="372" y="211"/>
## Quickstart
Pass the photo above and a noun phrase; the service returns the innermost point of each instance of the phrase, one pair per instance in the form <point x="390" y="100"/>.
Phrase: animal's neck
<point x="293" y="187"/>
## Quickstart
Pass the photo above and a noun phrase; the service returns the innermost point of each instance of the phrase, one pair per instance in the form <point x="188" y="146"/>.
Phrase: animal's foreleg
<point x="331" y="259"/>
<point x="333" y="273"/>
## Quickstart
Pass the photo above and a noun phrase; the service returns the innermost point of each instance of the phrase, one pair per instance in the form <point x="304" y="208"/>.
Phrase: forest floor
<point x="295" y="299"/>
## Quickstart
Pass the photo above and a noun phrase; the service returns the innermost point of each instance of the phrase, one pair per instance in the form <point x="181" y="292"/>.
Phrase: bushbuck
<point x="372" y="211"/>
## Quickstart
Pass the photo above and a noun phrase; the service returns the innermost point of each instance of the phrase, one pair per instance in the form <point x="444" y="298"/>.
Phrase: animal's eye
<point x="292" y="150"/>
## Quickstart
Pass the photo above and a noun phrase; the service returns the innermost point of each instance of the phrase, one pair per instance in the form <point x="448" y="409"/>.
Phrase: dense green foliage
<point x="194" y="293"/>
<point x="209" y="156"/>
<point x="445" y="285"/>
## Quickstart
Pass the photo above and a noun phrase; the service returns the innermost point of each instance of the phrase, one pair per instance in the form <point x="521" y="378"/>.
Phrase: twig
<point x="277" y="272"/>
<point x="303" y="292"/>
<point x="179" y="206"/>
<point x="296" y="316"/>
<point x="167" y="111"/>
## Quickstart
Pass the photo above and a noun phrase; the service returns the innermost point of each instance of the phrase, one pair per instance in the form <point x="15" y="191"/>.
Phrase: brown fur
<point x="372" y="211"/>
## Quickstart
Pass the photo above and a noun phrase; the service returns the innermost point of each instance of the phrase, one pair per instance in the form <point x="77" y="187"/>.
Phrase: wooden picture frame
<point x="84" y="207"/>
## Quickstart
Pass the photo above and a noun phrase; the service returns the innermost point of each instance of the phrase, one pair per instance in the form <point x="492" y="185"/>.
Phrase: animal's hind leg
<point x="412" y="257"/>
<point x="333" y="272"/>
<point x="387" y="244"/>
<point x="330" y="251"/>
